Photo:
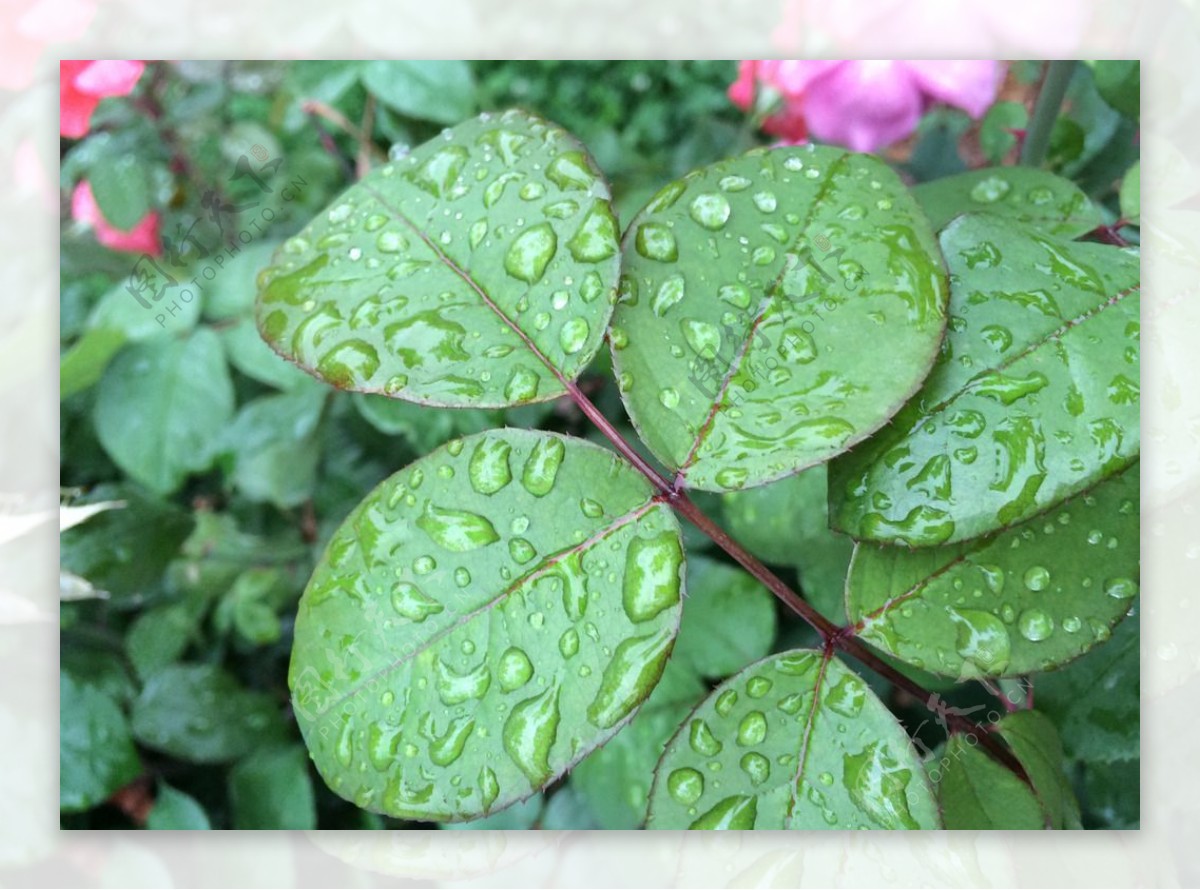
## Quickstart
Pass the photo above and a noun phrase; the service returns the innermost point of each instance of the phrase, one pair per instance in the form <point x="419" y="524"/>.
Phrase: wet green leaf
<point x="614" y="780"/>
<point x="161" y="407"/>
<point x="1034" y="399"/>
<point x="1049" y="203"/>
<point x="254" y="358"/>
<point x="482" y="620"/>
<point x="729" y="620"/>
<point x="1027" y="599"/>
<point x="1035" y="742"/>
<point x="96" y="756"/>
<point x="476" y="271"/>
<point x="757" y="754"/>
<point x="751" y="290"/>
<point x="201" y="713"/>
<point x="175" y="811"/>
<point x="272" y="789"/>
<point x="977" y="793"/>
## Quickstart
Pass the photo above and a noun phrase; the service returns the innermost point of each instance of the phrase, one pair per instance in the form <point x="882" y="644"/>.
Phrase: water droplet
<point x="711" y="211"/>
<point x="1035" y="625"/>
<point x="598" y="236"/>
<point x="990" y="190"/>
<point x="344" y="749"/>
<point x="846" y="697"/>
<point x="702" y="740"/>
<point x="633" y="671"/>
<point x="590" y="508"/>
<point x="765" y="201"/>
<point x="756" y="767"/>
<point x="1037" y="578"/>
<point x="733" y="813"/>
<point x="1072" y="624"/>
<point x="757" y="687"/>
<point x="489" y="469"/>
<point x="573" y="335"/>
<point x="412" y="604"/>
<point x="668" y="397"/>
<point x="529" y="734"/>
<point x="521" y="550"/>
<point x="879" y="786"/>
<point x="669" y="293"/>
<point x="983" y="643"/>
<point x="735" y="295"/>
<point x="1121" y="588"/>
<point x="568" y="643"/>
<point x="454" y="688"/>
<point x="522" y="385"/>
<point x="651" y="582"/>
<point x="515" y="669"/>
<point x="685" y="785"/>
<point x="570" y="171"/>
<point x="734" y="183"/>
<point x="489" y="788"/>
<point x="704" y="338"/>
<point x="530" y="253"/>
<point x="655" y="241"/>
<point x="541" y="468"/>
<point x="348" y="364"/>
<point x="423" y="565"/>
<point x="457" y="530"/>
<point x="340" y="213"/>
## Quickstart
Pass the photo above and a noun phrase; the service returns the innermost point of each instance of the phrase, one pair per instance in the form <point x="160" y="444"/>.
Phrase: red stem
<point x="832" y="636"/>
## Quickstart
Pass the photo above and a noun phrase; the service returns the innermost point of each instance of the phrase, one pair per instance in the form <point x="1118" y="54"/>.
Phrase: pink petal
<point x="110" y="78"/>
<point x="142" y="238"/>
<point x="791" y="77"/>
<point x="863" y="105"/>
<point x="741" y="91"/>
<point x="966" y="84"/>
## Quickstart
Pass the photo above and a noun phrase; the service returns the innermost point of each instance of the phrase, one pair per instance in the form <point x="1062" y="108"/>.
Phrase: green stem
<point x="1045" y="111"/>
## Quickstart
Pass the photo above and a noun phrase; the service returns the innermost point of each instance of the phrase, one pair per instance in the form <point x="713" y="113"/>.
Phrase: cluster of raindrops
<point x="748" y="758"/>
<point x="413" y="281"/>
<point x="721" y="337"/>
<point x="524" y="640"/>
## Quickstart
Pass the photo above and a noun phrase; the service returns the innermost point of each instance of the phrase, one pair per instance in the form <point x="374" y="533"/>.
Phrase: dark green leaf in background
<point x="96" y="755"/>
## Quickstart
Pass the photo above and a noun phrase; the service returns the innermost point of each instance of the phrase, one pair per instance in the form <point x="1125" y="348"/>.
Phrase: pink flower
<point x="864" y="105"/>
<point x="142" y="238"/>
<point x="82" y="84"/>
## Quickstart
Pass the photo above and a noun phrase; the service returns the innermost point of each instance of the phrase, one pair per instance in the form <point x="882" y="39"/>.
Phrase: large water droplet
<point x="1037" y="578"/>
<point x="983" y="643"/>
<point x="990" y="190"/>
<point x="448" y="747"/>
<point x="569" y="171"/>
<point x="879" y="787"/>
<point x="412" y="604"/>
<point x="702" y="337"/>
<point x="521" y="550"/>
<point x="711" y="211"/>
<point x="573" y="335"/>
<point x="457" y="530"/>
<point x="630" y="675"/>
<point x="846" y="697"/>
<point x="529" y="734"/>
<point x="737" y="813"/>
<point x="752" y="730"/>
<point x="454" y="688"/>
<point x="651" y="582"/>
<point x="669" y="293"/>
<point x="568" y="643"/>
<point x="1121" y="588"/>
<point x="515" y="669"/>
<point x="1035" y="625"/>
<point x="489" y="470"/>
<point x="655" y="241"/>
<point x="685" y="785"/>
<point x="702" y="740"/>
<point x="756" y="767"/>
<point x="541" y="468"/>
<point x="522" y="385"/>
<point x="597" y="237"/>
<point x="489" y="787"/>
<point x="531" y="253"/>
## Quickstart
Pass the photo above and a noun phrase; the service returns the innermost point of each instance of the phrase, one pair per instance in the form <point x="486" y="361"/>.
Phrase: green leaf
<point x="995" y="131"/>
<point x="125" y="552"/>
<point x="424" y="428"/>
<point x="1096" y="701"/>
<point x="175" y="811"/>
<point x="438" y="91"/>
<point x="161" y="407"/>
<point x="96" y="756"/>
<point x="249" y="354"/>
<point x="758" y="754"/>
<point x="1034" y="741"/>
<point x="977" y="793"/>
<point x="230" y="293"/>
<point x="729" y="620"/>
<point x="1027" y="599"/>
<point x="519" y="817"/>
<point x="1120" y="83"/>
<point x="202" y="714"/>
<point x="250" y="606"/>
<point x="478" y="271"/>
<point x="493" y="612"/>
<point x="751" y="289"/>
<point x="1035" y="397"/>
<point x="614" y="781"/>
<point x="787" y="522"/>
<point x="1131" y="195"/>
<point x="272" y="789"/>
<point x="83" y="364"/>
<point x="568" y="811"/>
<point x="119" y="310"/>
<point x="273" y="446"/>
<point x="121" y="185"/>
<point x="1112" y="794"/>
<point x="1047" y="202"/>
<point x="159" y="636"/>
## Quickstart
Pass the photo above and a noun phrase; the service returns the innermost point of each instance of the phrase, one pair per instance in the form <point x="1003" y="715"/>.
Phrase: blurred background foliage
<point x="225" y="470"/>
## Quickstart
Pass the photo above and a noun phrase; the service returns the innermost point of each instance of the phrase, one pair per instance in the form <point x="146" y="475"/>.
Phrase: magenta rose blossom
<point x="142" y="238"/>
<point x="83" y="83"/>
<point x="864" y="105"/>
